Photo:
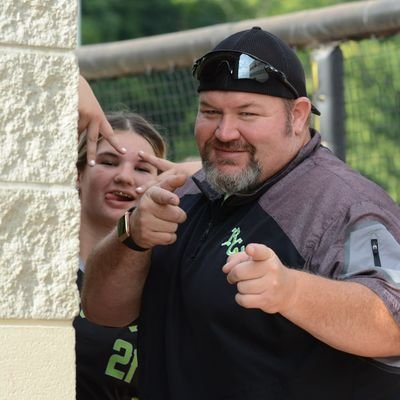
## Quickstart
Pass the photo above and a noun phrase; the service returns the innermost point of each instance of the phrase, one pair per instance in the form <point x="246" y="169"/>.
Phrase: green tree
<point x="106" y="20"/>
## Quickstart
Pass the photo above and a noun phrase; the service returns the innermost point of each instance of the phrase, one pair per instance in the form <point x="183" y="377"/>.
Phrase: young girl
<point x="106" y="358"/>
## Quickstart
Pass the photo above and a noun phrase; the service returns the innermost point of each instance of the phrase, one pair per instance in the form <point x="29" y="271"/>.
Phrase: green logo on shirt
<point x="233" y="242"/>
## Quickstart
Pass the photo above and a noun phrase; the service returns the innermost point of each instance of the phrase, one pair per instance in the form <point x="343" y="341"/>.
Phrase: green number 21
<point x="126" y="353"/>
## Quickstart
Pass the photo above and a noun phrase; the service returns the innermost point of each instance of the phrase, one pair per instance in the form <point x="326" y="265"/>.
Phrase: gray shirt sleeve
<point x="372" y="251"/>
<point x="371" y="247"/>
<point x="362" y="244"/>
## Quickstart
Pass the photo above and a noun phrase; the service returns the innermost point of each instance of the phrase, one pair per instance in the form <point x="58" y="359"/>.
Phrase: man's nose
<point x="227" y="129"/>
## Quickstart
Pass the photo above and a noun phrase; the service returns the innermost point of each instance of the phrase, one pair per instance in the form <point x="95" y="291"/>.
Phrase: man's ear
<point x="301" y="114"/>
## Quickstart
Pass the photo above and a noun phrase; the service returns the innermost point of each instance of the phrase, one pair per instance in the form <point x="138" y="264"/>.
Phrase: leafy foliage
<point x="105" y="20"/>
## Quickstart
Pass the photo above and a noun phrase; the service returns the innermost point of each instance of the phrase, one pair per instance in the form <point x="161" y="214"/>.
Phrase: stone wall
<point x="39" y="212"/>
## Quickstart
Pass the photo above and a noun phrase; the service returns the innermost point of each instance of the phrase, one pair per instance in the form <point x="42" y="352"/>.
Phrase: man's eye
<point x="210" y="112"/>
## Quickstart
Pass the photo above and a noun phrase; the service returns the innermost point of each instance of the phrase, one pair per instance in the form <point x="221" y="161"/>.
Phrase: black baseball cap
<point x="284" y="72"/>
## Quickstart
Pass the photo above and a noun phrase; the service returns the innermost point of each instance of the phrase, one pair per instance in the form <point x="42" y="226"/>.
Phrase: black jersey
<point x="106" y="360"/>
<point x="197" y="343"/>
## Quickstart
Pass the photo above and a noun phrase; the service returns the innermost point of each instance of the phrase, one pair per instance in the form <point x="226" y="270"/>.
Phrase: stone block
<point x="37" y="361"/>
<point x="38" y="94"/>
<point x="39" y="243"/>
<point x="41" y="23"/>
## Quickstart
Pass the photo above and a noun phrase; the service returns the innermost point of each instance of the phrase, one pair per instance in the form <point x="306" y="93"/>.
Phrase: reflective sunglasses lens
<point x="250" y="68"/>
<point x="209" y="66"/>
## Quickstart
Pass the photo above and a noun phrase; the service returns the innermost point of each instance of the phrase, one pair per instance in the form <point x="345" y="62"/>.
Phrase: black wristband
<point x="124" y="234"/>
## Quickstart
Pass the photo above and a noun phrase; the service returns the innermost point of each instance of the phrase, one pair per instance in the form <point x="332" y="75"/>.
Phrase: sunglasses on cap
<point x="241" y="66"/>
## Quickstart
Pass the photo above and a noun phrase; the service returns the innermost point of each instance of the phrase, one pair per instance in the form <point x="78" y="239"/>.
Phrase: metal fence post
<point x="327" y="65"/>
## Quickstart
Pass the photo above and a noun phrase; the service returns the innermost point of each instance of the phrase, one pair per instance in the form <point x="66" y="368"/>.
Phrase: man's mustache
<point x="236" y="145"/>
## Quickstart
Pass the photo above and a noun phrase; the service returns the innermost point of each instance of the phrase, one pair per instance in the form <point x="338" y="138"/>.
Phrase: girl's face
<point x="108" y="188"/>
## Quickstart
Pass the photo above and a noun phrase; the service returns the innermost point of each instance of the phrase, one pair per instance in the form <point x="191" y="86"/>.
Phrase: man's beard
<point x="242" y="182"/>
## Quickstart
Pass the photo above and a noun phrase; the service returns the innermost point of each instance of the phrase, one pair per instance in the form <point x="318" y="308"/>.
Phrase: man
<point x="274" y="273"/>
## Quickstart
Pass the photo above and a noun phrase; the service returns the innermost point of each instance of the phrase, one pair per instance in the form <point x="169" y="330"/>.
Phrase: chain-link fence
<point x="372" y="100"/>
<point x="371" y="83"/>
<point x="167" y="99"/>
